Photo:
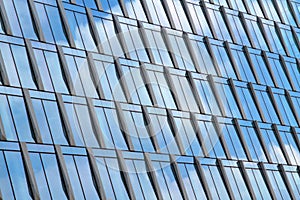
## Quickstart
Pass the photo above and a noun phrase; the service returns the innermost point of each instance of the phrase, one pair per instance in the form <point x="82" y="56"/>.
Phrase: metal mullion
<point x="95" y="174"/>
<point x="227" y="23"/>
<point x="252" y="67"/>
<point x="236" y="97"/>
<point x="263" y="9"/>
<point x="293" y="12"/>
<point x="216" y="94"/>
<point x="286" y="181"/>
<point x="281" y="143"/>
<point x="295" y="37"/>
<point x="242" y="138"/>
<point x="221" y="136"/>
<point x="168" y="13"/>
<point x="35" y="20"/>
<point x="269" y="67"/>
<point x="282" y="40"/>
<point x="171" y="85"/>
<point x="212" y="55"/>
<point x="99" y="5"/>
<point x="64" y="173"/>
<point x="232" y="60"/>
<point x="175" y="132"/>
<point x="33" y="65"/>
<point x="120" y="36"/>
<point x="95" y="75"/>
<point x="278" y="11"/>
<point x="246" y="179"/>
<point x="94" y="30"/>
<point x="150" y="129"/>
<point x="2" y="133"/>
<point x="122" y="81"/>
<point x="196" y="95"/>
<point x="152" y="176"/>
<point x="34" y="192"/>
<point x="246" y="6"/>
<point x="95" y="124"/>
<point x="267" y="180"/>
<point x="125" y="175"/>
<point x="65" y="24"/>
<point x="294" y="134"/>
<point x="201" y="175"/>
<point x="145" y="41"/>
<point x="147" y="83"/>
<point x="64" y="117"/>
<point x="169" y="47"/>
<point x="261" y="140"/>
<point x="36" y="134"/>
<point x="271" y="95"/>
<point x="189" y="46"/>
<point x="123" y="126"/>
<point x="178" y="177"/>
<point x="225" y="178"/>
<point x="208" y="19"/>
<point x="264" y="33"/>
<point x="4" y="17"/>
<point x="147" y="11"/>
<point x="189" y="16"/>
<point x="246" y="29"/>
<point x="291" y="104"/>
<point x="256" y="102"/>
<point x="123" y="8"/>
<point x="3" y="72"/>
<point x="198" y="134"/>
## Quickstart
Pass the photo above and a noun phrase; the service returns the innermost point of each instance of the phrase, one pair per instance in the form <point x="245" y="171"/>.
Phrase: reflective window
<point x="294" y="73"/>
<point x="278" y="184"/>
<point x="273" y="37"/>
<point x="290" y="145"/>
<point x="256" y="34"/>
<point x="7" y="119"/>
<point x="158" y="13"/>
<point x="255" y="8"/>
<point x="13" y="19"/>
<point x="286" y="13"/>
<point x="294" y="180"/>
<point x="135" y="10"/>
<point x="290" y="41"/>
<point x="111" y="6"/>
<point x="5" y="183"/>
<point x="270" y="9"/>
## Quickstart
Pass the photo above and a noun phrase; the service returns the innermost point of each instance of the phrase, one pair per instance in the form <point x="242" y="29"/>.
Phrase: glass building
<point x="149" y="99"/>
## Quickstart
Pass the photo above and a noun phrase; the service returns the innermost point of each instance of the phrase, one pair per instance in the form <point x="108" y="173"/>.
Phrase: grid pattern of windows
<point x="149" y="99"/>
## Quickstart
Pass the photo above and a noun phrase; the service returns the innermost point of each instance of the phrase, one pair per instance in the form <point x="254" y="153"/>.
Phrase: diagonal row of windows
<point x="118" y="175"/>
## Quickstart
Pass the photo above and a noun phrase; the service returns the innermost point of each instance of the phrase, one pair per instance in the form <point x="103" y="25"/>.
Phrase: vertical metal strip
<point x="191" y="51"/>
<point x="286" y="181"/>
<point x="281" y="143"/>
<point x="246" y="29"/>
<point x="65" y="70"/>
<point x="236" y="97"/>
<point x="94" y="30"/>
<point x="198" y="134"/>
<point x="246" y="179"/>
<point x="225" y="178"/>
<point x="178" y="177"/>
<point x="208" y="19"/>
<point x="264" y="33"/>
<point x="123" y="8"/>
<point x="145" y="41"/>
<point x="212" y="55"/>
<point x="33" y="65"/>
<point x="169" y="47"/>
<point x="123" y="126"/>
<point x="2" y="131"/>
<point x="120" y="36"/>
<point x="219" y="132"/>
<point x="152" y="176"/>
<point x="282" y="40"/>
<point x="293" y="12"/>
<point x="267" y="180"/>
<point x="147" y="83"/>
<point x="4" y="17"/>
<point x="287" y="73"/>
<point x="216" y="94"/>
<point x="125" y="176"/>
<point x="95" y="124"/>
<point x="242" y="138"/>
<point x="228" y="24"/>
<point x="269" y="67"/>
<point x="147" y="11"/>
<point x="150" y="129"/>
<point x="175" y="132"/>
<point x="172" y="87"/>
<point x="122" y="81"/>
<point x="261" y="140"/>
<point x="65" y="24"/>
<point x="295" y="37"/>
<point x="271" y="95"/>
<point x="251" y="65"/>
<point x="201" y="175"/>
<point x="278" y="11"/>
<point x="96" y="175"/>
<point x="291" y="104"/>
<point x="295" y="136"/>
<point x="168" y="13"/>
<point x="232" y="60"/>
<point x="95" y="76"/>
<point x="245" y="3"/>
<point x="188" y="15"/>
<point x="3" y="72"/>
<point x="263" y="9"/>
<point x="256" y="102"/>
<point x="64" y="173"/>
<point x="65" y="121"/>
<point x="99" y="5"/>
<point x="36" y="134"/>
<point x="34" y="192"/>
<point x="36" y="21"/>
<point x="196" y="95"/>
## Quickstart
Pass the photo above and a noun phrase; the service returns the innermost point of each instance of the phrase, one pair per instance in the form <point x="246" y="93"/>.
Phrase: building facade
<point x="149" y="99"/>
